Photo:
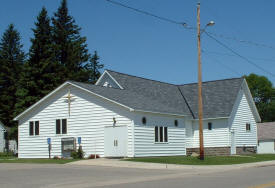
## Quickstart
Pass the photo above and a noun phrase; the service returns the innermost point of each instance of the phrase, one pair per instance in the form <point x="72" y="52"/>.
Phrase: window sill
<point x="161" y="142"/>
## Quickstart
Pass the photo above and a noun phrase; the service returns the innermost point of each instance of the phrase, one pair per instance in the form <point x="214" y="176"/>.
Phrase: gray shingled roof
<point x="218" y="97"/>
<point x="266" y="130"/>
<point x="131" y="99"/>
<point x="149" y="95"/>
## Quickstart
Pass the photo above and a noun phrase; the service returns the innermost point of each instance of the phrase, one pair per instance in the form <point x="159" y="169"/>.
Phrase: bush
<point x="6" y="154"/>
<point x="56" y="157"/>
<point x="79" y="154"/>
<point x="93" y="156"/>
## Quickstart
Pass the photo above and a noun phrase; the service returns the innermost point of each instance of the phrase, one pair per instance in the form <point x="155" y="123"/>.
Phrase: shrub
<point x="93" y="156"/>
<point x="6" y="154"/>
<point x="56" y="157"/>
<point x="79" y="154"/>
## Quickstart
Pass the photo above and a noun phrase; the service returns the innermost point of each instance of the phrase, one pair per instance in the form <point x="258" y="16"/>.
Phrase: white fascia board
<point x="100" y="78"/>
<point x="251" y="101"/>
<point x="40" y="101"/>
<point x="54" y="91"/>
<point x="211" y="118"/>
<point x="161" y="113"/>
<point x="106" y="72"/>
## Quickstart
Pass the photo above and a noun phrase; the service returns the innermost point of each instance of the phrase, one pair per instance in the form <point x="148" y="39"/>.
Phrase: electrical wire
<point x="224" y="65"/>
<point x="146" y="13"/>
<point x="239" y="55"/>
<point x="242" y="41"/>
<point x="233" y="55"/>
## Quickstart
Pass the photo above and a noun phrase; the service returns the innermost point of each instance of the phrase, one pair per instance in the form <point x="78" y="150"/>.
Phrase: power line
<point x="243" y="41"/>
<point x="146" y="13"/>
<point x="224" y="65"/>
<point x="233" y="55"/>
<point x="239" y="55"/>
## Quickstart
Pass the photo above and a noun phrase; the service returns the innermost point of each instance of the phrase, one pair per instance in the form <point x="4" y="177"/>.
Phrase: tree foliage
<point x="263" y="93"/>
<point x="71" y="49"/>
<point x="11" y="63"/>
<point x="93" y="68"/>
<point x="40" y="74"/>
<point x="58" y="53"/>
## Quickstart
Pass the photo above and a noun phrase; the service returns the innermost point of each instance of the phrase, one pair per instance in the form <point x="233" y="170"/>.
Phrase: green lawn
<point x="209" y="160"/>
<point x="40" y="161"/>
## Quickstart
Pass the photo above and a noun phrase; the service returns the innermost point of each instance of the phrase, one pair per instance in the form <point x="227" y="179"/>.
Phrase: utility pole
<point x="200" y="84"/>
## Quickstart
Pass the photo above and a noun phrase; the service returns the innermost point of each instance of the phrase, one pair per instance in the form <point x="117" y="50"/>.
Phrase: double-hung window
<point x="161" y="134"/>
<point x="61" y="126"/>
<point x="33" y="128"/>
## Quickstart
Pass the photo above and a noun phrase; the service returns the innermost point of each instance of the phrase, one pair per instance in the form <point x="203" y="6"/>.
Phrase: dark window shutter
<point x="31" y="128"/>
<point x="37" y="128"/>
<point x="165" y="134"/>
<point x="161" y="134"/>
<point x="156" y="134"/>
<point x="57" y="127"/>
<point x="64" y="126"/>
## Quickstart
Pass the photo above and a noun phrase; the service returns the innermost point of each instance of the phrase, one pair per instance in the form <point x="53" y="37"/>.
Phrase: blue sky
<point x="143" y="46"/>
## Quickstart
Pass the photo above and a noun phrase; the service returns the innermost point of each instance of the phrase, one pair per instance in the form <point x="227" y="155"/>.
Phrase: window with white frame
<point x="61" y="126"/>
<point x="33" y="128"/>
<point x="161" y="134"/>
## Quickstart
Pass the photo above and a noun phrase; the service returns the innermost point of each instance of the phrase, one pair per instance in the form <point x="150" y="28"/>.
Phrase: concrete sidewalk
<point x="142" y="165"/>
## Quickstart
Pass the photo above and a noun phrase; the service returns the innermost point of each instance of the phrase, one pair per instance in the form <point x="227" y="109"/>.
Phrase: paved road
<point x="69" y="176"/>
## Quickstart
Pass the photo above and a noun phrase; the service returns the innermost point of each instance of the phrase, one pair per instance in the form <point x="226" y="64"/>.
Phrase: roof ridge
<point x="142" y="77"/>
<point x="213" y="81"/>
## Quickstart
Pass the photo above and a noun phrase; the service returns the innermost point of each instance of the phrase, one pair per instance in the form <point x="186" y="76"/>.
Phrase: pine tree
<point x="40" y="71"/>
<point x="11" y="62"/>
<point x="93" y="68"/>
<point x="71" y="48"/>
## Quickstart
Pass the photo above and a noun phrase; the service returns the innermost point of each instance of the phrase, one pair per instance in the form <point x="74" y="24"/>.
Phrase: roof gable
<point x="107" y="80"/>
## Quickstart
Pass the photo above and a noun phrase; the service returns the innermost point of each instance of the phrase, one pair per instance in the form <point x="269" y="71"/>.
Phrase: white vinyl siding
<point x="144" y="136"/>
<point x="217" y="137"/>
<point x="266" y="146"/>
<point x="89" y="115"/>
<point x="242" y="115"/>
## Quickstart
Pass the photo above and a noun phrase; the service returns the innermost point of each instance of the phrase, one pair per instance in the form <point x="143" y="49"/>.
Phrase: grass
<point x="209" y="160"/>
<point x="39" y="161"/>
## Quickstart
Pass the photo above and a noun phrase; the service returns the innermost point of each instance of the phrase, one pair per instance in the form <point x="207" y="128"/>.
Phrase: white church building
<point x="128" y="116"/>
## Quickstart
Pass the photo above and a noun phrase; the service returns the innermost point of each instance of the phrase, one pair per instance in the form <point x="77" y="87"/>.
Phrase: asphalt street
<point x="69" y="176"/>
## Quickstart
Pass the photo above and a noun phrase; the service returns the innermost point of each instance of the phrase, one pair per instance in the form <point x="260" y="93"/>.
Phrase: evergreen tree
<point x="71" y="48"/>
<point x="40" y="71"/>
<point x="11" y="62"/>
<point x="93" y="68"/>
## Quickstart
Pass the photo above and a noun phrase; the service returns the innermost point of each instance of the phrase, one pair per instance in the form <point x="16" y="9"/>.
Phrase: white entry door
<point x="233" y="144"/>
<point x="115" y="141"/>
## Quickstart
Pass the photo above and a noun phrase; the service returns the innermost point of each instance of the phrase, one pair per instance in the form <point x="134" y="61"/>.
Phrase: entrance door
<point x="233" y="144"/>
<point x="115" y="141"/>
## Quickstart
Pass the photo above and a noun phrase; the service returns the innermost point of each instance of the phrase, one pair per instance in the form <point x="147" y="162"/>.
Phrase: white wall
<point x="241" y="115"/>
<point x="266" y="146"/>
<point x="217" y="137"/>
<point x="2" y="140"/>
<point x="144" y="137"/>
<point x="89" y="116"/>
